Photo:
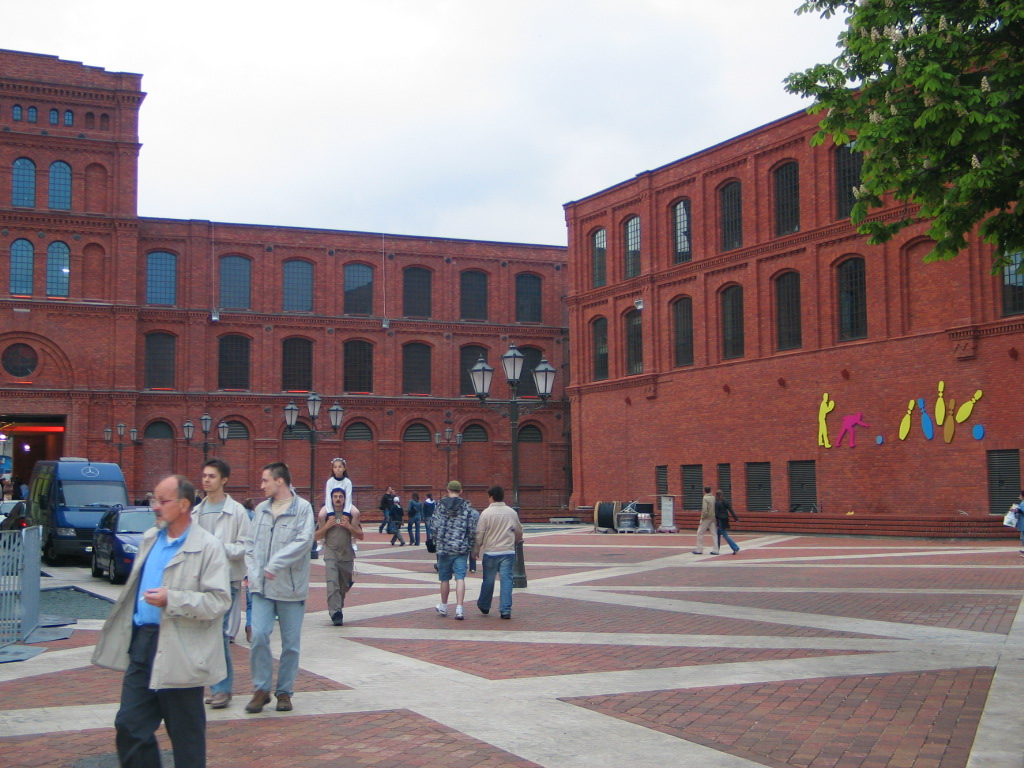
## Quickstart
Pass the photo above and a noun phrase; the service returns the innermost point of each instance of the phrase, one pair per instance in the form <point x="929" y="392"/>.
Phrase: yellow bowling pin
<point x="905" y="422"/>
<point x="940" y="405"/>
<point x="949" y="426"/>
<point x="965" y="410"/>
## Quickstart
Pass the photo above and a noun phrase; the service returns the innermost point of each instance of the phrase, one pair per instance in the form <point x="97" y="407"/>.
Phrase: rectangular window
<point x="358" y="289"/>
<point x="853" y="306"/>
<point x="600" y="332"/>
<point x="693" y="486"/>
<point x="848" y="165"/>
<point x="298" y="286"/>
<point x="234" y="282"/>
<point x="161" y="278"/>
<point x="634" y="344"/>
<point x="473" y="295"/>
<point x="787" y="311"/>
<point x="631" y="236"/>
<point x="233" y="362"/>
<point x="160" y="361"/>
<point x="1003" y="480"/>
<point x="732" y="323"/>
<point x="681" y="230"/>
<point x="682" y="317"/>
<point x="58" y="270"/>
<point x="731" y="219"/>
<point x="598" y="255"/>
<point x="358" y="366"/>
<point x="416" y="369"/>
<point x="803" y="486"/>
<point x="417" y="288"/>
<point x="528" y="298"/>
<point x="297" y="365"/>
<point x="1013" y="285"/>
<point x="725" y="481"/>
<point x="759" y="486"/>
<point x="787" y="199"/>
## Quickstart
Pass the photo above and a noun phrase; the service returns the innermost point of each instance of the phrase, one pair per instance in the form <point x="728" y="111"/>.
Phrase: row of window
<point x="58" y="269"/>
<point x="56" y="117"/>
<point x="786" y="196"/>
<point x="23" y="185"/>
<point x="234" y="365"/>
<point x="802" y="477"/>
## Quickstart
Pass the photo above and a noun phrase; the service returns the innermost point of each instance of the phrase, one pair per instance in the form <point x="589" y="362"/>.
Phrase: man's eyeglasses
<point x="161" y="502"/>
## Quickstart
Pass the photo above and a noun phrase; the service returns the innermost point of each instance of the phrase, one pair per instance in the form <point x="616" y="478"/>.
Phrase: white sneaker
<point x="442" y="610"/>
<point x="458" y="613"/>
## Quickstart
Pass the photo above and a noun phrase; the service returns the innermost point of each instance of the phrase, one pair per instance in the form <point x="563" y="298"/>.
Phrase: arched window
<point x="416" y="433"/>
<point x="299" y="431"/>
<point x="233" y="362"/>
<point x="787" y="198"/>
<point x="1013" y="284"/>
<point x="104" y="122"/>
<point x="682" y="330"/>
<point x="731" y="219"/>
<point x="531" y="359"/>
<point x="235" y="272"/>
<point x="631" y="246"/>
<point x="468" y="356"/>
<point x="161" y="278"/>
<point x="237" y="431"/>
<point x="528" y="298"/>
<point x="22" y="263"/>
<point x="732" y="322"/>
<point x="358" y="366"/>
<point x="54" y="117"/>
<point x="23" y="183"/>
<point x="599" y="341"/>
<point x="90" y="120"/>
<point x="473" y="295"/>
<point x="158" y="430"/>
<point x="69" y="118"/>
<point x="60" y="186"/>
<point x="530" y="433"/>
<point x="848" y="162"/>
<point x="787" y="311"/>
<point x="681" y="232"/>
<point x="297" y="365"/>
<point x="58" y="269"/>
<point x="358" y="289"/>
<point x="298" y="286"/>
<point x="16" y="113"/>
<point x="161" y="360"/>
<point x="33" y="115"/>
<point x="475" y="433"/>
<point x="598" y="258"/>
<point x="417" y="292"/>
<point x="416" y="369"/>
<point x="634" y="333"/>
<point x="358" y="430"/>
<point x="853" y="305"/>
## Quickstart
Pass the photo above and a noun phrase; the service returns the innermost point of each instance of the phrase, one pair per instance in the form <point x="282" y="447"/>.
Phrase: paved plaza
<point x="625" y="650"/>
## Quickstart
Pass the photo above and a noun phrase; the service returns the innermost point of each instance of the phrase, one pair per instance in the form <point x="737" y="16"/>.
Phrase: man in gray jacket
<point x="277" y="559"/>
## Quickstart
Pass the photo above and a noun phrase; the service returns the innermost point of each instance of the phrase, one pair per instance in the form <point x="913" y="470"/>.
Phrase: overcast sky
<point x="447" y="118"/>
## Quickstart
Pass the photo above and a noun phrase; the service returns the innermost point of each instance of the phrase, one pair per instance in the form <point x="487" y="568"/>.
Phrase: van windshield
<point x="79" y="493"/>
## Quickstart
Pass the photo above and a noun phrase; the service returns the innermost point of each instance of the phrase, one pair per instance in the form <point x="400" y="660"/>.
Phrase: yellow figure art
<point x="905" y="421"/>
<point x="826" y="407"/>
<point x="940" y="405"/>
<point x="964" y="412"/>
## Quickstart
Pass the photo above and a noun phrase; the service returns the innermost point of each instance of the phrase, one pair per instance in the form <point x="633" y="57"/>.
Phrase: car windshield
<point x="136" y="522"/>
<point x="107" y="493"/>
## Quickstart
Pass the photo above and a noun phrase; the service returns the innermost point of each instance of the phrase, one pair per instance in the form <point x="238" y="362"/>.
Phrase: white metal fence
<point x="19" y="584"/>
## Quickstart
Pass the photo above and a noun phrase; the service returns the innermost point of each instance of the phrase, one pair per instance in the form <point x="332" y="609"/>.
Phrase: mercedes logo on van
<point x="90" y="471"/>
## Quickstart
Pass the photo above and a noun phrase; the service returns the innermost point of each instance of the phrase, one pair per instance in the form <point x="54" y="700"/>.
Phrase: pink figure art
<point x="849" y="422"/>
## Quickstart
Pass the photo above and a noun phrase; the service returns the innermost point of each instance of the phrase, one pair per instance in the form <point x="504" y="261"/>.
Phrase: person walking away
<point x="429" y="505"/>
<point x="454" y="528"/>
<point x="497" y="534"/>
<point x="722" y="511"/>
<point x="228" y="522"/>
<point x="395" y="522"/>
<point x="415" y="518"/>
<point x="337" y="528"/>
<point x="707" y="521"/>
<point x="278" y="565"/>
<point x="164" y="632"/>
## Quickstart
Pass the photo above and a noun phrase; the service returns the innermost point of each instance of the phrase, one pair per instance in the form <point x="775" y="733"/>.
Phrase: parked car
<point x="115" y="542"/>
<point x="12" y="515"/>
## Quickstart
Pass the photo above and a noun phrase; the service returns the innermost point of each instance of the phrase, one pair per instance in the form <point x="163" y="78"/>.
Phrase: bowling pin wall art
<point x="926" y="420"/>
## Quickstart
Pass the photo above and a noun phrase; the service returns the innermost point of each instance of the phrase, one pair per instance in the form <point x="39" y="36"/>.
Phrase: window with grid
<point x="787" y="311"/>
<point x="297" y="365"/>
<point x="528" y="298"/>
<point x="358" y="366"/>
<point x="33" y="115"/>
<point x="161" y="351"/>
<point x="634" y="343"/>
<point x="759" y="486"/>
<point x="235" y="278"/>
<point x="693" y="486"/>
<point x="848" y="163"/>
<point x="682" y="330"/>
<point x="853" y="305"/>
<point x="359" y="430"/>
<point x="681" y="232"/>
<point x="725" y="481"/>
<point x="1013" y="285"/>
<point x="358" y="289"/>
<point x="161" y="278"/>
<point x="158" y="430"/>
<point x="732" y="322"/>
<point x="69" y="117"/>
<point x="16" y="113"/>
<point x="60" y="186"/>
<point x="531" y="359"/>
<point x="598" y="258"/>
<point x="298" y="286"/>
<point x="468" y="356"/>
<point x="23" y="183"/>
<point x="416" y="369"/>
<point x="416" y="433"/>
<point x="233" y="362"/>
<point x="599" y="336"/>
<point x="474" y="433"/>
<point x="787" y="199"/>
<point x="22" y="263"/>
<point x="417" y="292"/>
<point x="58" y="269"/>
<point x="631" y="249"/>
<point x="731" y="219"/>
<point x="473" y="295"/>
<point x="54" y="117"/>
<point x="530" y="433"/>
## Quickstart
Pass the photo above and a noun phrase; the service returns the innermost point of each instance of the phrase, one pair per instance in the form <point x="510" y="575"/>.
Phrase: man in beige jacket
<point x="707" y="522"/>
<point x="164" y="632"/>
<point x="497" y="534"/>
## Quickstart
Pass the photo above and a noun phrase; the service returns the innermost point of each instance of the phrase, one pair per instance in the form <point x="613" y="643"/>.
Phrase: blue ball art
<point x="879" y="439"/>
<point x="978" y="431"/>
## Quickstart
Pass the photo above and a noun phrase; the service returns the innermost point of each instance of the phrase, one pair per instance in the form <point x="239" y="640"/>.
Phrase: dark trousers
<point x="142" y="709"/>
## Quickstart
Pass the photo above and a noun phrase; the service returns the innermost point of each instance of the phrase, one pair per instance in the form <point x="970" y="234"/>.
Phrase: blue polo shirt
<point x="164" y="548"/>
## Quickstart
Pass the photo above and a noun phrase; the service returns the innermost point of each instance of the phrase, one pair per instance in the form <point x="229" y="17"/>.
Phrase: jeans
<point x="414" y="539"/>
<point x="142" y="709"/>
<point x="224" y="686"/>
<point x="724" y="533"/>
<point x="501" y="566"/>
<point x="290" y="614"/>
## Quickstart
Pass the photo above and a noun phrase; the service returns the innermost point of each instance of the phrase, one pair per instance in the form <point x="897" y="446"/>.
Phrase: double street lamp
<point x="291" y="416"/>
<point x="544" y="380"/>
<point x="448" y="449"/>
<point x="205" y="423"/>
<point x="133" y="439"/>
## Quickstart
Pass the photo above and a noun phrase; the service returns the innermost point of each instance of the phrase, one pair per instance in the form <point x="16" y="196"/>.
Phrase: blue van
<point x="67" y="498"/>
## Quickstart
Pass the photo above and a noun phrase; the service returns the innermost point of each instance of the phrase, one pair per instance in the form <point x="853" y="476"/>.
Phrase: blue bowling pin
<point x="926" y="420"/>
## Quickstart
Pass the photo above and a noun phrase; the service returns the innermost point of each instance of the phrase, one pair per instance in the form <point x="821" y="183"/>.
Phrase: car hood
<point x="129" y="538"/>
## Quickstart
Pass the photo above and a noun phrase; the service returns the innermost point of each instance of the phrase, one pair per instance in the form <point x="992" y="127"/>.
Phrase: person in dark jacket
<point x="722" y="511"/>
<point x="415" y="518"/>
<point x="395" y="515"/>
<point x="385" y="508"/>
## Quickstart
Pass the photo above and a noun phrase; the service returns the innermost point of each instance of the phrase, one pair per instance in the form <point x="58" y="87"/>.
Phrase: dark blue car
<point x="116" y="541"/>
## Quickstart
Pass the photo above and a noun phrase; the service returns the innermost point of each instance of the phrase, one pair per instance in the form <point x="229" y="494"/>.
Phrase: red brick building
<point x="109" y="318"/>
<point x="731" y="328"/>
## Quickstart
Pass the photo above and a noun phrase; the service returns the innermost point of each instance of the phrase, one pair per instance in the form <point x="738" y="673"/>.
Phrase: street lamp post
<point x="205" y="424"/>
<point x="133" y="439"/>
<point x="544" y="379"/>
<point x="291" y="415"/>
<point x="448" y="449"/>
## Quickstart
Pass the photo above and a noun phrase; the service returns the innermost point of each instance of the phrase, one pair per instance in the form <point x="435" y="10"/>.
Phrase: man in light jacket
<point x="165" y="632"/>
<point x="707" y="522"/>
<point x="277" y="560"/>
<point x="228" y="521"/>
<point x="497" y="534"/>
